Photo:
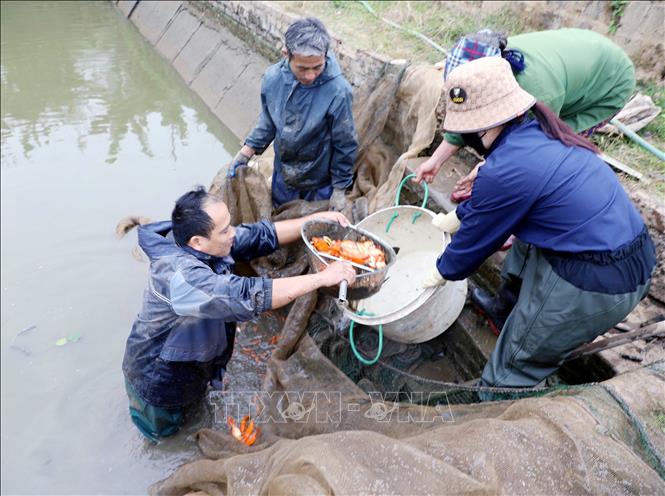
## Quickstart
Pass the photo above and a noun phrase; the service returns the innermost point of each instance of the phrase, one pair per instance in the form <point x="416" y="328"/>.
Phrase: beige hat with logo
<point x="483" y="94"/>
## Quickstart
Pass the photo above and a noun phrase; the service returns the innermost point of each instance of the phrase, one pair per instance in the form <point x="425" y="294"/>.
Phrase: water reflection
<point x="95" y="126"/>
<point x="55" y="73"/>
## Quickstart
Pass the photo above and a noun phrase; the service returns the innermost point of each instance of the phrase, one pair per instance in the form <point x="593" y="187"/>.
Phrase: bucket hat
<point x="482" y="94"/>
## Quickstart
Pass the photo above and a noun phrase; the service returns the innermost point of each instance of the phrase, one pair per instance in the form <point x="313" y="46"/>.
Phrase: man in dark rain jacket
<point x="306" y="111"/>
<point x="183" y="337"/>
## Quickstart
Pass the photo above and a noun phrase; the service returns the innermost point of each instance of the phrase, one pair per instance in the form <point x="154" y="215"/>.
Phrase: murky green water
<point x="95" y="126"/>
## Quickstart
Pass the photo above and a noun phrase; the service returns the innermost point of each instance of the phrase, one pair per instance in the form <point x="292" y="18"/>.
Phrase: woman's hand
<point x="464" y="186"/>
<point x="428" y="170"/>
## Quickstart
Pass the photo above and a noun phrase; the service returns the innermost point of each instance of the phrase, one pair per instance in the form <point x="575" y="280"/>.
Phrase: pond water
<point x="95" y="127"/>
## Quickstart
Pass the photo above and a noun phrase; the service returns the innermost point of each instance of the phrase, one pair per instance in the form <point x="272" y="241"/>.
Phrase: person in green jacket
<point x="581" y="75"/>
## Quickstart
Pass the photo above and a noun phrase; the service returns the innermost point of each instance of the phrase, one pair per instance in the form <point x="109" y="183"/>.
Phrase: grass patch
<point x="655" y="131"/>
<point x="443" y="24"/>
<point x="617" y="6"/>
<point x="638" y="158"/>
<point x="632" y="154"/>
<point x="660" y="420"/>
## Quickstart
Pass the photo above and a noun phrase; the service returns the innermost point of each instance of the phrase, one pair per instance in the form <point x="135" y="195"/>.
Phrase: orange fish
<point x="361" y="252"/>
<point x="247" y="433"/>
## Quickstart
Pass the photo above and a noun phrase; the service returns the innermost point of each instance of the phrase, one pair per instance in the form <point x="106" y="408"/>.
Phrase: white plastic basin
<point x="408" y="312"/>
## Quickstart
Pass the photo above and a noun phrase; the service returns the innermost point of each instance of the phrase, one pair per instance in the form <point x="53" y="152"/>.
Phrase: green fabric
<point x="453" y="139"/>
<point x="550" y="319"/>
<point x="152" y="421"/>
<point x="581" y="75"/>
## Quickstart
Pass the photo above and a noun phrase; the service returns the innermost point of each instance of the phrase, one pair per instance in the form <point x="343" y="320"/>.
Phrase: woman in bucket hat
<point x="583" y="257"/>
<point x="580" y="75"/>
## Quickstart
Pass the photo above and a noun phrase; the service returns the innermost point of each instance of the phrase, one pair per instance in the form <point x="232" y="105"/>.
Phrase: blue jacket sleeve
<point x="264" y="132"/>
<point x="254" y="240"/>
<point x="344" y="141"/>
<point x="199" y="292"/>
<point x="488" y="218"/>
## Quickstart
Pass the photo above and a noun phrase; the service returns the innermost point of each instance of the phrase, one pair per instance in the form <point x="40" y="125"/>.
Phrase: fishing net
<point x="403" y="426"/>
<point x="321" y="433"/>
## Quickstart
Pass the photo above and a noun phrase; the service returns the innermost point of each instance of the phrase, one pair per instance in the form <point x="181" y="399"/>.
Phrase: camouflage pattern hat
<point x="483" y="94"/>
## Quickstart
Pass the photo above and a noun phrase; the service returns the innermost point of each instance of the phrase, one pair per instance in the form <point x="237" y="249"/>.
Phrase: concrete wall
<point x="221" y="48"/>
<point x="262" y="26"/>
<point x="220" y="68"/>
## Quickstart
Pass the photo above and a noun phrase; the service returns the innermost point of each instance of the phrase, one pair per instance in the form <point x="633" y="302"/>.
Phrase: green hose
<point x="399" y="192"/>
<point x="360" y="358"/>
<point x="638" y="139"/>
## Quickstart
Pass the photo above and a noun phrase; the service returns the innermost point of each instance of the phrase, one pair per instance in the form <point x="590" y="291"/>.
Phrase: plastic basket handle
<point x="397" y="197"/>
<point x="401" y="185"/>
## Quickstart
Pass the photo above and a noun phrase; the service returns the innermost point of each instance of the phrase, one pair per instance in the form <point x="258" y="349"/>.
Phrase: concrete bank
<point x="220" y="68"/>
<point x="221" y="50"/>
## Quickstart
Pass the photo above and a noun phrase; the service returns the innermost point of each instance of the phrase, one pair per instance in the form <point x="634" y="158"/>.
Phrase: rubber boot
<point x="496" y="308"/>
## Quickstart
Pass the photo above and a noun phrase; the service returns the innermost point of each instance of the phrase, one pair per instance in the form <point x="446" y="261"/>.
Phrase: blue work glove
<point x="240" y="160"/>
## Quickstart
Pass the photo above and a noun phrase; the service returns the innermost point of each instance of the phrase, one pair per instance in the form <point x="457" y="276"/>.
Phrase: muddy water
<point x="95" y="126"/>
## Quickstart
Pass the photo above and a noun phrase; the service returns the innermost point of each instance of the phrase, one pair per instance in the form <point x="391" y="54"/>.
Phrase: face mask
<point x="474" y="140"/>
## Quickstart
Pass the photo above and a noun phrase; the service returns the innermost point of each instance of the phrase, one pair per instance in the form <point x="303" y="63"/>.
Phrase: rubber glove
<point x="434" y="279"/>
<point x="338" y="200"/>
<point x="240" y="160"/>
<point x="447" y="222"/>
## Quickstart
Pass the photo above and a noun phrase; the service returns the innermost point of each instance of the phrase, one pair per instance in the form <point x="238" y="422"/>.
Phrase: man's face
<point x="307" y="68"/>
<point x="220" y="239"/>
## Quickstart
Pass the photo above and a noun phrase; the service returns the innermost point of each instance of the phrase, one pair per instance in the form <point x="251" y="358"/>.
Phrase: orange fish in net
<point x="361" y="252"/>
<point x="246" y="432"/>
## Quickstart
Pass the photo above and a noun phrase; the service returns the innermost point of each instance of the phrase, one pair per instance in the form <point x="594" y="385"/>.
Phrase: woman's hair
<point x="556" y="129"/>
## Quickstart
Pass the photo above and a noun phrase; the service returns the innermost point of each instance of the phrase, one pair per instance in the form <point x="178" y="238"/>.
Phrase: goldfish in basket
<point x="361" y="252"/>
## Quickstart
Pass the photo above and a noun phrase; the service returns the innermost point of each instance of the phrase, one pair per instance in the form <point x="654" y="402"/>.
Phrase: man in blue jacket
<point x="183" y="337"/>
<point x="306" y="111"/>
